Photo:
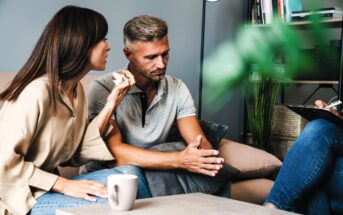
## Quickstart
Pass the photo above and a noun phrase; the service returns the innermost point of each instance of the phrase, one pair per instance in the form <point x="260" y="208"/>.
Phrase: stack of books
<point x="324" y="13"/>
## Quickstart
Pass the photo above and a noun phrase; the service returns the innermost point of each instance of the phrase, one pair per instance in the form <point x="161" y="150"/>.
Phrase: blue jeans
<point x="50" y="201"/>
<point x="311" y="177"/>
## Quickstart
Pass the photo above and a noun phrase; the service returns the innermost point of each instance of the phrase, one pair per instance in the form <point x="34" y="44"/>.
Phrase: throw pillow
<point x="173" y="182"/>
<point x="214" y="133"/>
<point x="251" y="162"/>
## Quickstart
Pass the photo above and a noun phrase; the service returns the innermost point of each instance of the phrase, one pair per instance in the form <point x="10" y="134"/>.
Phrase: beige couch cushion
<point x="250" y="161"/>
<point x="251" y="190"/>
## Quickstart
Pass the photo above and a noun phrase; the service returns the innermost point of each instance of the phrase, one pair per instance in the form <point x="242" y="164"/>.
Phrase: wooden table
<point x="186" y="204"/>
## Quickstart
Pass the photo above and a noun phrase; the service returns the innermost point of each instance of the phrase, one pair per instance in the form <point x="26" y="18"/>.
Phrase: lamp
<point x="202" y="51"/>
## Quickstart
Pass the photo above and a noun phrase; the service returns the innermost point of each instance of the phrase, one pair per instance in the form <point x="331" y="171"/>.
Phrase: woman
<point x="43" y="122"/>
<point x="311" y="177"/>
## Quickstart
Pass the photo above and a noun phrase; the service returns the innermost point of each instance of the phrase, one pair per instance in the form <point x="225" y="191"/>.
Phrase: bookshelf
<point x="336" y="23"/>
<point x="333" y="24"/>
<point x="328" y="24"/>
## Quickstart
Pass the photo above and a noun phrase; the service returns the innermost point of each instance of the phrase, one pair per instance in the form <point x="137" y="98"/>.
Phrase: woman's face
<point x="98" y="55"/>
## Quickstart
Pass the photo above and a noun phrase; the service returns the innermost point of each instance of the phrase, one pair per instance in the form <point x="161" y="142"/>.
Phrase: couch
<point x="254" y="164"/>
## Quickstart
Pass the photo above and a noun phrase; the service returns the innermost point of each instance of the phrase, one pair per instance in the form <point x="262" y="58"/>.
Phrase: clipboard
<point x="311" y="113"/>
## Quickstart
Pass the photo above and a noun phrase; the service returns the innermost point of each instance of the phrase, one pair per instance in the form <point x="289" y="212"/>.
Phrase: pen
<point x="334" y="104"/>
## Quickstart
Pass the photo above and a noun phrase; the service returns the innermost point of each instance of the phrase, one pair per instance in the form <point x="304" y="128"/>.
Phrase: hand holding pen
<point x="331" y="107"/>
<point x="334" y="104"/>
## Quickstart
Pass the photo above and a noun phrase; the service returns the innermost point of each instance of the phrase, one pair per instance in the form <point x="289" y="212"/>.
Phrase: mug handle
<point x="114" y="195"/>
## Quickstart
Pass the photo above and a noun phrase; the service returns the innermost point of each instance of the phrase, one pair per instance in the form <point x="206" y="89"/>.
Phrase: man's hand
<point x="80" y="189"/>
<point x="322" y="105"/>
<point x="204" y="161"/>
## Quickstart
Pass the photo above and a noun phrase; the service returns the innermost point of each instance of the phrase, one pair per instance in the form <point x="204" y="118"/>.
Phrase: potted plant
<point x="260" y="94"/>
<point x="251" y="59"/>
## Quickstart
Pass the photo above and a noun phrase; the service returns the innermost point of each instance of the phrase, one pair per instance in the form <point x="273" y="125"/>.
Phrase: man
<point x="146" y="114"/>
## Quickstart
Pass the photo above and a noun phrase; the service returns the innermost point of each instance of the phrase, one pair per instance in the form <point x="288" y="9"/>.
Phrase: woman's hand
<point x="114" y="98"/>
<point x="81" y="189"/>
<point x="120" y="90"/>
<point x="322" y="105"/>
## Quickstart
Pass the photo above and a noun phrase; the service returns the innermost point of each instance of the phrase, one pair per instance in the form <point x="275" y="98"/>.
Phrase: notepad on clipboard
<point x="311" y="113"/>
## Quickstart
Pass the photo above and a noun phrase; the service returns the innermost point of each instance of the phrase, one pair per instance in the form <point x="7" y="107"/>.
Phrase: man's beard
<point x="154" y="78"/>
<point x="148" y="75"/>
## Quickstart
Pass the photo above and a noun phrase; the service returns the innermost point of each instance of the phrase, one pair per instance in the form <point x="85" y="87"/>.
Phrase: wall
<point x="22" y="22"/>
<point x="223" y="18"/>
<point x="23" y="29"/>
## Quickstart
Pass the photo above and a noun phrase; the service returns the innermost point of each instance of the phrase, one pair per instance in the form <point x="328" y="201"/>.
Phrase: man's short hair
<point x="144" y="28"/>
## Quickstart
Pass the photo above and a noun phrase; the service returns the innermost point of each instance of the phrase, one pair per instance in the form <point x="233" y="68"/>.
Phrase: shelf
<point x="303" y="82"/>
<point x="330" y="23"/>
<point x="311" y="82"/>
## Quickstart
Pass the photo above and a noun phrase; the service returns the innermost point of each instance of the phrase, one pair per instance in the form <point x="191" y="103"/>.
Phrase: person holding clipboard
<point x="320" y="111"/>
<point x="310" y="180"/>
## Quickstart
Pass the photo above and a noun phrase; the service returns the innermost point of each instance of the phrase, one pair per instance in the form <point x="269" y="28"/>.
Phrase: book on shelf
<point x="323" y="13"/>
<point x="267" y="9"/>
<point x="293" y="5"/>
<point x="287" y="7"/>
<point x="280" y="10"/>
<point x="264" y="11"/>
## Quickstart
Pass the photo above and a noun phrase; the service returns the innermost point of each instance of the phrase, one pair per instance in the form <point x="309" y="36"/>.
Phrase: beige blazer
<point x="33" y="142"/>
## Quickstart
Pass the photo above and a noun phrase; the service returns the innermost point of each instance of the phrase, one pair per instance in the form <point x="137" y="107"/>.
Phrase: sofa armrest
<point x="252" y="190"/>
<point x="251" y="162"/>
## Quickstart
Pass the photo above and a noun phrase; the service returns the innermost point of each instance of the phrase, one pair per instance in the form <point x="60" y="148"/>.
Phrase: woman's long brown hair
<point x="61" y="51"/>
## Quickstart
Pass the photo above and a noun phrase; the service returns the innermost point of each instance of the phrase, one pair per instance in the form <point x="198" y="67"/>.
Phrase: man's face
<point x="149" y="59"/>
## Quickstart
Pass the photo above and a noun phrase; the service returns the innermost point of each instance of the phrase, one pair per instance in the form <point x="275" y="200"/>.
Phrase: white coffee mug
<point x="122" y="191"/>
